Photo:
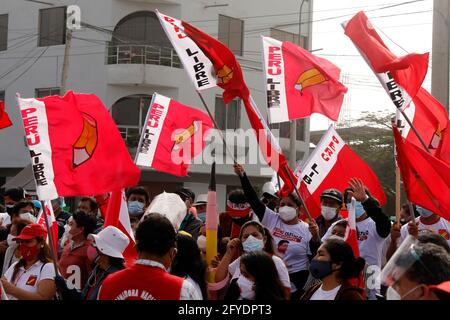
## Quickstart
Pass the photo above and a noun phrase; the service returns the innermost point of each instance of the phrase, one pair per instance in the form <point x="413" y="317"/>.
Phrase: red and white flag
<point x="75" y="146"/>
<point x="4" y="118"/>
<point x="331" y="165"/>
<point x="117" y="216"/>
<point x="299" y="84"/>
<point x="174" y="134"/>
<point x="53" y="224"/>
<point x="351" y="237"/>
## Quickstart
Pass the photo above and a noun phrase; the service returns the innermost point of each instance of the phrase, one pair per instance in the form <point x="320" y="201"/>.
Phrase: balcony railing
<point x="142" y="54"/>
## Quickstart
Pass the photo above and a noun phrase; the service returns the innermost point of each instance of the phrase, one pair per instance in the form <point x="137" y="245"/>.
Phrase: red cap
<point x="32" y="231"/>
<point x="444" y="286"/>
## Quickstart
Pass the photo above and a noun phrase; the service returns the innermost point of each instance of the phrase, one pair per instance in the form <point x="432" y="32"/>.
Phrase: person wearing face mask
<point x="148" y="278"/>
<point x="200" y="206"/>
<point x="269" y="196"/>
<point x="413" y="272"/>
<point x="253" y="237"/>
<point x="335" y="264"/>
<point x="11" y="197"/>
<point x="138" y="200"/>
<point x="23" y="210"/>
<point x="61" y="216"/>
<point x="89" y="205"/>
<point x="303" y="237"/>
<point x="106" y="253"/>
<point x="74" y="262"/>
<point x="32" y="277"/>
<point x="12" y="254"/>
<point x="330" y="203"/>
<point x="191" y="224"/>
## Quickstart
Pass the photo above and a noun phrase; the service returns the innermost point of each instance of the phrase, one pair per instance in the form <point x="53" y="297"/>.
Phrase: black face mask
<point x="320" y="269"/>
<point x="9" y="210"/>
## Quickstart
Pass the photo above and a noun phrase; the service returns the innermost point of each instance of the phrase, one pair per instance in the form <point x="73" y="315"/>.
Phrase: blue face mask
<point x="135" y="208"/>
<point x="424" y="212"/>
<point x="253" y="244"/>
<point x="359" y="209"/>
<point x="202" y="216"/>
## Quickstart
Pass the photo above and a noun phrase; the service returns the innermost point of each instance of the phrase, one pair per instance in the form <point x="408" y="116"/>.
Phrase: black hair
<point x="83" y="219"/>
<point x="282" y="242"/>
<point x="20" y="205"/>
<point x="431" y="264"/>
<point x="92" y="203"/>
<point x="118" y="263"/>
<point x="341" y="253"/>
<point x="341" y="223"/>
<point x="427" y="236"/>
<point x="268" y="247"/>
<point x="16" y="194"/>
<point x="189" y="262"/>
<point x="260" y="265"/>
<point x="185" y="193"/>
<point x="295" y="199"/>
<point x="155" y="235"/>
<point x="237" y="196"/>
<point x="405" y="207"/>
<point x="138" y="190"/>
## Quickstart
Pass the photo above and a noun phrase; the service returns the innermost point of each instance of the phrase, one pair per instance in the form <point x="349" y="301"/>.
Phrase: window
<point x="282" y="35"/>
<point x="2" y="95"/>
<point x="3" y="32"/>
<point x="284" y="129"/>
<point x="45" y="92"/>
<point x="227" y="116"/>
<point x="231" y="31"/>
<point x="52" y="26"/>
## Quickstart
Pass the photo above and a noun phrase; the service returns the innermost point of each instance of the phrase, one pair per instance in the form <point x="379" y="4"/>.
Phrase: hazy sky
<point x="408" y="25"/>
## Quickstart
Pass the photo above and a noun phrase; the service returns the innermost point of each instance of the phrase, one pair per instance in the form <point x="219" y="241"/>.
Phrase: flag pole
<point x="397" y="196"/>
<point x="297" y="192"/>
<point x="50" y="237"/>
<point x="414" y="130"/>
<point x="217" y="127"/>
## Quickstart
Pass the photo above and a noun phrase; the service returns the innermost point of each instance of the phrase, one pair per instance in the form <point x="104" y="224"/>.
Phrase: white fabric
<point x="298" y="235"/>
<point x="441" y="227"/>
<point x="169" y="205"/>
<point x="235" y="270"/>
<point x="111" y="241"/>
<point x="10" y="257"/>
<point x="5" y="219"/>
<point x="321" y="294"/>
<point x="195" y="285"/>
<point x="38" y="270"/>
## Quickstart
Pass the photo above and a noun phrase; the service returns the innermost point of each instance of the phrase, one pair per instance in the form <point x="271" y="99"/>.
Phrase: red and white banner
<point x="174" y="134"/>
<point x="299" y="84"/>
<point x="331" y="165"/>
<point x="75" y="146"/>
<point x="53" y="224"/>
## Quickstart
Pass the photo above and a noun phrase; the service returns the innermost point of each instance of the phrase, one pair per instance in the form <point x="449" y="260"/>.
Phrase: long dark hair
<point x="268" y="247"/>
<point x="189" y="262"/>
<point x="260" y="265"/>
<point x="341" y="253"/>
<point x="44" y="256"/>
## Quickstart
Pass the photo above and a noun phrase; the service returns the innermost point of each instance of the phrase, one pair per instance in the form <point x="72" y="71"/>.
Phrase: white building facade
<point x="121" y="54"/>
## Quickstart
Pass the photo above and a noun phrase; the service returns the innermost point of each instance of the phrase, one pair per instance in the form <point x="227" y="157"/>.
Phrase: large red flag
<point x="174" y="134"/>
<point x="331" y="165"/>
<point x="299" y="84"/>
<point x="426" y="178"/>
<point x="4" y="118"/>
<point x="408" y="72"/>
<point x="75" y="146"/>
<point x="117" y="216"/>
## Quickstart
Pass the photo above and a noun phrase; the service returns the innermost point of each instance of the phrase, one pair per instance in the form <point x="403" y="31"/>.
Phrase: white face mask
<point x="287" y="213"/>
<point x="328" y="212"/>
<point x="246" y="287"/>
<point x="392" y="294"/>
<point x="28" y="216"/>
<point x="201" y="242"/>
<point x="10" y="240"/>
<point x="253" y="244"/>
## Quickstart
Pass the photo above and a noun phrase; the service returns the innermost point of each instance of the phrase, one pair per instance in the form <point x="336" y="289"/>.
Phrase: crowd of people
<point x="267" y="250"/>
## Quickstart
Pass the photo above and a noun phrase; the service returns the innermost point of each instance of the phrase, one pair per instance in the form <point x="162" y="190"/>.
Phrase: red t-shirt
<point x="140" y="282"/>
<point x="71" y="260"/>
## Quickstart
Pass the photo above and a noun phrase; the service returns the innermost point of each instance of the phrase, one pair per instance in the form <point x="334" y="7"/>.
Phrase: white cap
<point x="169" y="205"/>
<point x="269" y="188"/>
<point x="201" y="199"/>
<point x="110" y="241"/>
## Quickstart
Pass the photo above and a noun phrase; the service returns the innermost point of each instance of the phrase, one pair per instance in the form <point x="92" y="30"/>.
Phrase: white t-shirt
<point x="298" y="235"/>
<point x="235" y="270"/>
<point x="5" y="219"/>
<point x="369" y="242"/>
<point x="29" y="279"/>
<point x="195" y="285"/>
<point x="321" y="294"/>
<point x="441" y="227"/>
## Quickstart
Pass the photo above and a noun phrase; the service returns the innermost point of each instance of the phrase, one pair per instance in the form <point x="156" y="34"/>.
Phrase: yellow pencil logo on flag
<point x="84" y="147"/>
<point x="225" y="74"/>
<point x="185" y="135"/>
<point x="309" y="78"/>
<point x="436" y="138"/>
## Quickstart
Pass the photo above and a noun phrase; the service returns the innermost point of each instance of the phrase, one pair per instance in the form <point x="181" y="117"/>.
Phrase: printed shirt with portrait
<point x="29" y="279"/>
<point x="298" y="235"/>
<point x="442" y="227"/>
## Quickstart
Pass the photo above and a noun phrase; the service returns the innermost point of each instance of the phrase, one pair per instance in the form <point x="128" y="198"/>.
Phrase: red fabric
<point x="117" y="216"/>
<point x="109" y="167"/>
<point x="4" y="118"/>
<point x="52" y="223"/>
<point x="408" y="71"/>
<point x="179" y="117"/>
<point x="137" y="281"/>
<point x="220" y="56"/>
<point x="76" y="257"/>
<point x="325" y="97"/>
<point x="426" y="179"/>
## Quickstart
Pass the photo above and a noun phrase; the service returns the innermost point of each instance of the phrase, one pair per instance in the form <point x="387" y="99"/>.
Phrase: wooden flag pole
<point x="50" y="237"/>
<point x="397" y="196"/>
<point x="298" y="193"/>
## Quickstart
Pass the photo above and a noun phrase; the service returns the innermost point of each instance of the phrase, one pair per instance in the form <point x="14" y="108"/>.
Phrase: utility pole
<point x="65" y="68"/>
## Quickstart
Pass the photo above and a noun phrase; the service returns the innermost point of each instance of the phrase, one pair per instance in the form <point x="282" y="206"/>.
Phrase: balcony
<point x="144" y="65"/>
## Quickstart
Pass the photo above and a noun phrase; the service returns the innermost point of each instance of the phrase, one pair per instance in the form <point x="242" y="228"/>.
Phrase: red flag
<point x="75" y="146"/>
<point x="426" y="178"/>
<point x="170" y="141"/>
<point x="331" y="165"/>
<point x="299" y="84"/>
<point x="408" y="71"/>
<point x="4" y="118"/>
<point x="117" y="216"/>
<point x="351" y="237"/>
<point x="48" y="209"/>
